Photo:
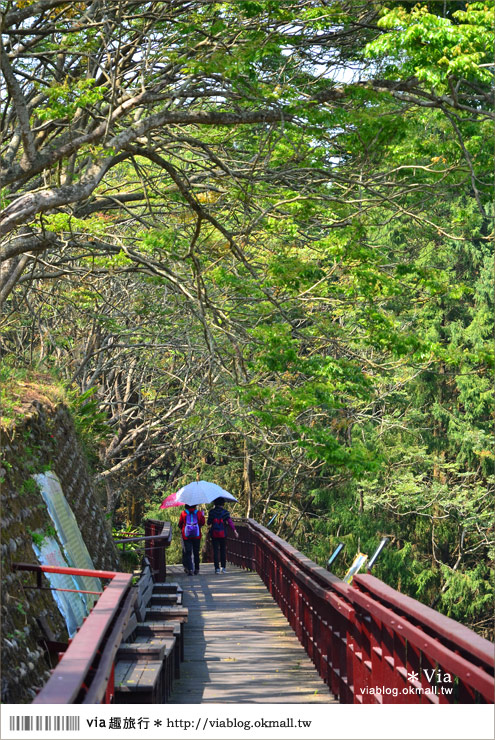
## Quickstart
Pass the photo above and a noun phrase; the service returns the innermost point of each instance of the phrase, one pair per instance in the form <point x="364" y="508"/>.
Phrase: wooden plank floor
<point x="238" y="645"/>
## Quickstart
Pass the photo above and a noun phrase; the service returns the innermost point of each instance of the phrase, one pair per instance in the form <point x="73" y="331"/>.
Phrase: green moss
<point x="29" y="486"/>
<point x="19" y="388"/>
<point x="39" y="537"/>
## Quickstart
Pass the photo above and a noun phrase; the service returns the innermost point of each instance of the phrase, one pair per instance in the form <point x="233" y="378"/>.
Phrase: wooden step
<point x="171" y="587"/>
<point x="152" y="648"/>
<point x="138" y="682"/>
<point x="172" y="652"/>
<point x="165" y="599"/>
<point x="167" y="630"/>
<point x="157" y="613"/>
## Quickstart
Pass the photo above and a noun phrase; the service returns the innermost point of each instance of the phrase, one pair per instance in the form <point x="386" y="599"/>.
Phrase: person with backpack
<point x="190" y="522"/>
<point x="218" y="520"/>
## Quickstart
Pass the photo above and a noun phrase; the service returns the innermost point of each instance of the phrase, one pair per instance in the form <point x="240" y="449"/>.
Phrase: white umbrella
<point x="197" y="492"/>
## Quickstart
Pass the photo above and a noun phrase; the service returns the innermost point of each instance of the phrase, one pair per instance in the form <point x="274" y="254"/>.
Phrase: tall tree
<point x="257" y="237"/>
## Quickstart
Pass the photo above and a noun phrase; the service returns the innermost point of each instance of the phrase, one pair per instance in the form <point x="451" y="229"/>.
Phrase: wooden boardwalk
<point x="238" y="645"/>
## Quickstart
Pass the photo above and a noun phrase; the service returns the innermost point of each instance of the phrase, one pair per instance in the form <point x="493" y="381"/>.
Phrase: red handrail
<point x="456" y="635"/>
<point x="157" y="537"/>
<point x="64" y="570"/>
<point x="370" y="643"/>
<point x="86" y="667"/>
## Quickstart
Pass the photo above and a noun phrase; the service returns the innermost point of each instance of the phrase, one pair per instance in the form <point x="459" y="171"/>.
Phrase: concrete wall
<point x="44" y="440"/>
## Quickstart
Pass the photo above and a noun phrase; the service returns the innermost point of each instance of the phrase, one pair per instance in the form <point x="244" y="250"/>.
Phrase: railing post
<point x="155" y="549"/>
<point x="300" y="615"/>
<point x="324" y="642"/>
<point x="344" y="660"/>
<point x="380" y="668"/>
<point x="361" y="657"/>
<point x="148" y="544"/>
<point x="307" y="625"/>
<point x="414" y="661"/>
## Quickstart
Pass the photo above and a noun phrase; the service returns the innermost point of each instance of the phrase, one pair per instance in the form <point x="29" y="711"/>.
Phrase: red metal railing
<point x="84" y="674"/>
<point x="157" y="537"/>
<point x="369" y="643"/>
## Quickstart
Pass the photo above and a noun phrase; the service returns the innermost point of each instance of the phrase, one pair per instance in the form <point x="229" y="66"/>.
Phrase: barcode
<point x="48" y="724"/>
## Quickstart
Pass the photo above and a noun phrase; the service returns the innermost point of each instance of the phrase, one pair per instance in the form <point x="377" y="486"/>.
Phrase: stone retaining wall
<point x="44" y="440"/>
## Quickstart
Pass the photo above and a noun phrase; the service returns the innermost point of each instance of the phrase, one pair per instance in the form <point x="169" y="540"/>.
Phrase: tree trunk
<point x="248" y="479"/>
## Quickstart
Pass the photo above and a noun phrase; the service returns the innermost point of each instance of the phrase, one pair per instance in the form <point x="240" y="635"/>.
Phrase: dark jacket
<point x="218" y="512"/>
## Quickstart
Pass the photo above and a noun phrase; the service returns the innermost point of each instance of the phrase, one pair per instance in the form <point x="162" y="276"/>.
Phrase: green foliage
<point x="97" y="225"/>
<point x="39" y="537"/>
<point x="20" y="385"/>
<point x="64" y="99"/>
<point x="130" y="551"/>
<point x="29" y="486"/>
<point x="433" y="48"/>
<point x="303" y="312"/>
<point x="91" y="423"/>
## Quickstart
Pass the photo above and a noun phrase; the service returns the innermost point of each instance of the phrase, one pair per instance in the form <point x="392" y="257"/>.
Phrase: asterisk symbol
<point x="413" y="676"/>
<point x="158" y="723"/>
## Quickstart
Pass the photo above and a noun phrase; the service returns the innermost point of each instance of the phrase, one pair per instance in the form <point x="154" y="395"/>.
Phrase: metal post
<point x="334" y="555"/>
<point x="377" y="553"/>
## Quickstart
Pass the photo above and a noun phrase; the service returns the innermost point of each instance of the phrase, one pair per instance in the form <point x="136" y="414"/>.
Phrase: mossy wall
<point x="43" y="440"/>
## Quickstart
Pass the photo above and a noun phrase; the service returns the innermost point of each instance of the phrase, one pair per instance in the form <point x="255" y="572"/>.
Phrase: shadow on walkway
<point x="239" y="646"/>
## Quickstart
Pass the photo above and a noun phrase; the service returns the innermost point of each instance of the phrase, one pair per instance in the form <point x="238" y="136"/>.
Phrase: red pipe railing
<point x="369" y="643"/>
<point x="157" y="537"/>
<point x="84" y="674"/>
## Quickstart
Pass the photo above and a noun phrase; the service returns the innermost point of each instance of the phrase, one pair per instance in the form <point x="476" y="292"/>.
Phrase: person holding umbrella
<point x="190" y="522"/>
<point x="218" y="520"/>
